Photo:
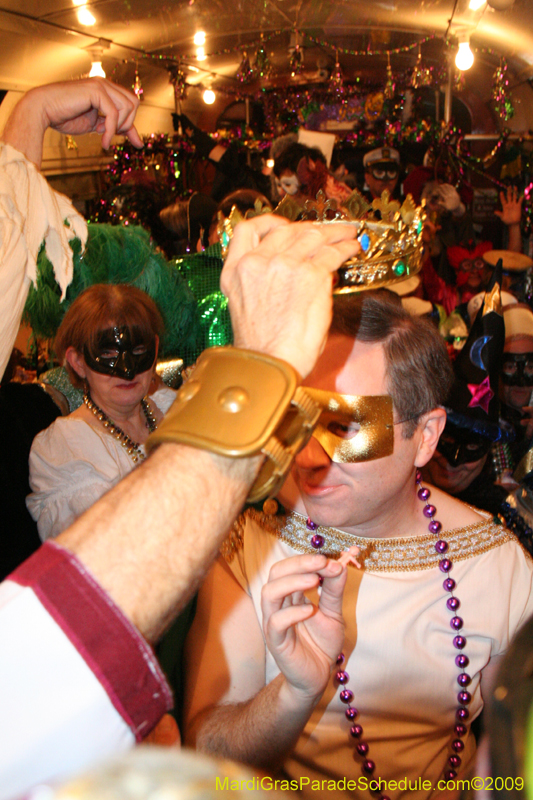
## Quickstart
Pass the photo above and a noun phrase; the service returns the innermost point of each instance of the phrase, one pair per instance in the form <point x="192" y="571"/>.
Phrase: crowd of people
<point x="350" y="622"/>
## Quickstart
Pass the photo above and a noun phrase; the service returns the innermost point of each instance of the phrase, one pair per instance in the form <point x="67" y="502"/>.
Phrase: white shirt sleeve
<point x="30" y="213"/>
<point x="77" y="681"/>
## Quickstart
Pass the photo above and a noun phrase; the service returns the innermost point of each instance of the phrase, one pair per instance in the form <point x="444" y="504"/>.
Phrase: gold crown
<point x="391" y="248"/>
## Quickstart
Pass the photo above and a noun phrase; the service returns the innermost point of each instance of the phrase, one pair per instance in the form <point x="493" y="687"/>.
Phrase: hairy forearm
<point x="150" y="540"/>
<point x="25" y="127"/>
<point x="260" y="732"/>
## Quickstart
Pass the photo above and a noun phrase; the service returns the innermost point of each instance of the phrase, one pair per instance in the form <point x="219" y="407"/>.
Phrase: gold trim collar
<point x="387" y="555"/>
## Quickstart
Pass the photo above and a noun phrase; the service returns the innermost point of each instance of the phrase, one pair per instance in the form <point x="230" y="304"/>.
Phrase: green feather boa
<point x="119" y="254"/>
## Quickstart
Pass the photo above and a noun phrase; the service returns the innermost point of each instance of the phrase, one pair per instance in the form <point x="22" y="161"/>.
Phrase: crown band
<point x="391" y="249"/>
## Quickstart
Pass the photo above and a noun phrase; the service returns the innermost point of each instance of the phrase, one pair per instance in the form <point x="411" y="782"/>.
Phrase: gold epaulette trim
<point x="377" y="555"/>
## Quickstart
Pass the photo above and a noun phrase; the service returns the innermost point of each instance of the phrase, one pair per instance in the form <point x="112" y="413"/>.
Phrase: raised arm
<point x="511" y="215"/>
<point x="31" y="213"/>
<point x="74" y="107"/>
<point x="231" y="711"/>
<point x="148" y="542"/>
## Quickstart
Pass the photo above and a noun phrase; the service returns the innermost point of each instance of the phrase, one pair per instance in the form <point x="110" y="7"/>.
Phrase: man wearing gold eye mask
<point x="334" y="676"/>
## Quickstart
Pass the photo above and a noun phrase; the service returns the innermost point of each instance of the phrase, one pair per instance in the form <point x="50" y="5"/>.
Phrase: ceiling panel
<point x="43" y="40"/>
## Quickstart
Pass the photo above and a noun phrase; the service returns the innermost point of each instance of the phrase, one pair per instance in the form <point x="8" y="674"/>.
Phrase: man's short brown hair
<point x="419" y="371"/>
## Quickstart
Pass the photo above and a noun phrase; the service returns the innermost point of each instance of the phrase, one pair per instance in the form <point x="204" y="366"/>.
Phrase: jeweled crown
<point x="391" y="247"/>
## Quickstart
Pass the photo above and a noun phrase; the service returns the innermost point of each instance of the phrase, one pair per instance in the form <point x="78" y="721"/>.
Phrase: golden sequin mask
<point x="354" y="428"/>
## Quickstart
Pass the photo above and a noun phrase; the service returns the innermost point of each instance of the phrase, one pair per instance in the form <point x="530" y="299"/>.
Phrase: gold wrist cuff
<point x="240" y="403"/>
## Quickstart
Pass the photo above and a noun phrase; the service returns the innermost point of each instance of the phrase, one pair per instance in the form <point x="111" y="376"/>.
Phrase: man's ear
<point x="76" y="362"/>
<point x="431" y="426"/>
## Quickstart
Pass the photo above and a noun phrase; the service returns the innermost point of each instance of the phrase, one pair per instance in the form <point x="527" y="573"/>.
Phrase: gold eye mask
<point x="354" y="428"/>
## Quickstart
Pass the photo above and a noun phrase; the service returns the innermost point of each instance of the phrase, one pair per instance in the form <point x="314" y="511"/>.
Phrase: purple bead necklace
<point x="459" y="642"/>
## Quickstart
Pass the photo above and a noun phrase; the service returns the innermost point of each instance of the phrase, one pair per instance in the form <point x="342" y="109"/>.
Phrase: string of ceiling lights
<point x="193" y="62"/>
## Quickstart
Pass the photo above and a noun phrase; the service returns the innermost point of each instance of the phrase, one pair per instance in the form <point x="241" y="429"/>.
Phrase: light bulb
<point x="209" y="97"/>
<point x="85" y="17"/>
<point x="474" y="5"/>
<point x="200" y="54"/>
<point x="97" y="71"/>
<point x="464" y="58"/>
<point x="199" y="37"/>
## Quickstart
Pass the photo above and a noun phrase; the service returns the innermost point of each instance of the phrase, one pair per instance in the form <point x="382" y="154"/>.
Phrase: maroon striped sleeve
<point x="111" y="646"/>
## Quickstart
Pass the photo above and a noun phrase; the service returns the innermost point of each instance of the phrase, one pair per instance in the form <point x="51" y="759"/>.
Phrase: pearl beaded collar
<point x="132" y="448"/>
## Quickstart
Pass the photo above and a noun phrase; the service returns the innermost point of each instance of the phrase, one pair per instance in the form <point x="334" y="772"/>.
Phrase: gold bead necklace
<point x="132" y="448"/>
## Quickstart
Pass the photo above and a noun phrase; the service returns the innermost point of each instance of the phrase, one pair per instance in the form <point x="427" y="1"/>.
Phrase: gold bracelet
<point x="240" y="403"/>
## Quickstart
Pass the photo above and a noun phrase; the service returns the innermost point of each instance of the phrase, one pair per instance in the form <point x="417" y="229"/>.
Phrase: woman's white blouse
<point x="72" y="464"/>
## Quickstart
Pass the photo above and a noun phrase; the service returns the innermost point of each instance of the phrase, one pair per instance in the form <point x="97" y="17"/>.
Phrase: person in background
<point x="515" y="459"/>
<point x="458" y="265"/>
<point x="516" y="388"/>
<point x="463" y="462"/>
<point x="517" y="273"/>
<point x="472" y="272"/>
<point x="190" y="221"/>
<point x="382" y="172"/>
<point x="195" y="221"/>
<point x="301" y="172"/>
<point x="290" y="176"/>
<point x="236" y="167"/>
<point x="108" y="340"/>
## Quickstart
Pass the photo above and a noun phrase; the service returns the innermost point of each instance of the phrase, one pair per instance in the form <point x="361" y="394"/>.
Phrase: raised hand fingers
<point x="117" y="107"/>
<point x="290" y="578"/>
<point x="128" y="105"/>
<point x="279" y="623"/>
<point x="332" y="256"/>
<point x="272" y="236"/>
<point x="249" y="233"/>
<point x="277" y="278"/>
<point x="274" y="246"/>
<point x="304" y="240"/>
<point x="91" y="104"/>
<point x="511" y="196"/>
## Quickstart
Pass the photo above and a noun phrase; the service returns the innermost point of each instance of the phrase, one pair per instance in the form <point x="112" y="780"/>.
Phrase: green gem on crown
<point x="399" y="268"/>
